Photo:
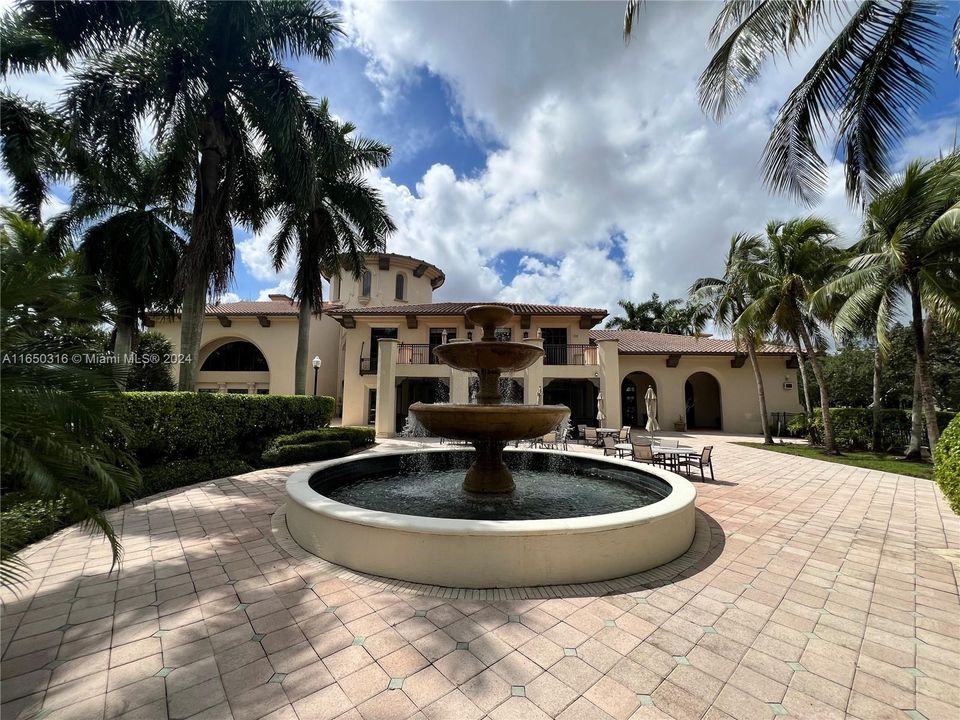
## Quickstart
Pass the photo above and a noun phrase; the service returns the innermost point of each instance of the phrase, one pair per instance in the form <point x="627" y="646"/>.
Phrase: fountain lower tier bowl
<point x="489" y="422"/>
<point x="574" y="518"/>
<point x="494" y="356"/>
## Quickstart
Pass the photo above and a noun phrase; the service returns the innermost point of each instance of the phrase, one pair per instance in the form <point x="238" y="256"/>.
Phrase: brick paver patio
<point x="830" y="592"/>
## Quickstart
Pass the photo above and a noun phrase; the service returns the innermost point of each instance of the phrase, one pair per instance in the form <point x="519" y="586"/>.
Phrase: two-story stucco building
<point x="375" y="339"/>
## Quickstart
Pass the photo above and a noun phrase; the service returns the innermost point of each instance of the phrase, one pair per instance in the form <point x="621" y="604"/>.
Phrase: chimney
<point x="279" y="297"/>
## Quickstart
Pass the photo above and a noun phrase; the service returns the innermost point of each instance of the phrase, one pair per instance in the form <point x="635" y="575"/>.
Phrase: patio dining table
<point x="602" y="431"/>
<point x="673" y="455"/>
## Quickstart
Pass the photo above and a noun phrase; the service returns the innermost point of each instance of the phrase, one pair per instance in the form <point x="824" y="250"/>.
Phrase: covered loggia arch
<point x="703" y="402"/>
<point x="633" y="388"/>
<point x="233" y="364"/>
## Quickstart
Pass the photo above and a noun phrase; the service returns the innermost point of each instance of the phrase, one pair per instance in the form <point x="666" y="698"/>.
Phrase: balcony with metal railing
<point x="570" y="355"/>
<point x="416" y="354"/>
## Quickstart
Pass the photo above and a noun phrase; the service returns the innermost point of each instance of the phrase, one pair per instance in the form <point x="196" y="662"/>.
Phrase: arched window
<point x="401" y="286"/>
<point x="365" y="281"/>
<point x="238" y="356"/>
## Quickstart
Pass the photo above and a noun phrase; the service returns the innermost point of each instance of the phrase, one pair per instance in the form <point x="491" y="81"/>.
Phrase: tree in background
<point x="211" y="78"/>
<point x="151" y="373"/>
<point x="656" y="315"/>
<point x="863" y="90"/>
<point x="129" y="240"/>
<point x="55" y="429"/>
<point x="798" y="257"/>
<point x="725" y="299"/>
<point x="333" y="225"/>
<point x="910" y="250"/>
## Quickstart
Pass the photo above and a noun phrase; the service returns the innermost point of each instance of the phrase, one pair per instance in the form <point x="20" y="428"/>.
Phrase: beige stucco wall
<point x="278" y="343"/>
<point x="738" y="393"/>
<point x="418" y="290"/>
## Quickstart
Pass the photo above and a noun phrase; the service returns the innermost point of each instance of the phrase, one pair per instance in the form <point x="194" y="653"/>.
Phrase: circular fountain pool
<point x="573" y="518"/>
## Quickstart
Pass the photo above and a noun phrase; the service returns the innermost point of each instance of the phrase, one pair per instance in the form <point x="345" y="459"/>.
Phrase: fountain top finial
<point x="489" y="317"/>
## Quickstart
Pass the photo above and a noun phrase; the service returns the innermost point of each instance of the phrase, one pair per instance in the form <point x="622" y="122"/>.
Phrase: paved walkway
<point x="830" y="594"/>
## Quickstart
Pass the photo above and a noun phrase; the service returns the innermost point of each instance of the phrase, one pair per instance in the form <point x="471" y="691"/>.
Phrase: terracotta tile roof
<point x="638" y="342"/>
<point x="252" y="308"/>
<point x="458" y="308"/>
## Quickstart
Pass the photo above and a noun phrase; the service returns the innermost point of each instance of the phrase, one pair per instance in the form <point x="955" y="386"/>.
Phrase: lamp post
<point x="316" y="368"/>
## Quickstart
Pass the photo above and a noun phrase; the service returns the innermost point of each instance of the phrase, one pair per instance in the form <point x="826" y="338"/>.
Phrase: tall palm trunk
<point x="807" y="407"/>
<point x="877" y="368"/>
<point x="828" y="442"/>
<point x="191" y="327"/>
<point x="209" y="212"/>
<point x="923" y="370"/>
<point x="123" y="341"/>
<point x="303" y="348"/>
<point x="913" y="451"/>
<point x="761" y="396"/>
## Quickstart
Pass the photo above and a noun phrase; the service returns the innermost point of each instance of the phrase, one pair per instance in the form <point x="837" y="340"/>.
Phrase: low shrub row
<point x="853" y="427"/>
<point x="357" y="436"/>
<point x="181" y="473"/>
<point x="180" y="425"/>
<point x="306" y="452"/>
<point x="946" y="464"/>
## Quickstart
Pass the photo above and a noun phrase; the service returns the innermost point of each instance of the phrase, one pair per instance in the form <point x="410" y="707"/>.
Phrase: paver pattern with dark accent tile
<point x="821" y="591"/>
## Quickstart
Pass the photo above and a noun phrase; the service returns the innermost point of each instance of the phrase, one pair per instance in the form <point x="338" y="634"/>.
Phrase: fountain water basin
<point x="568" y="518"/>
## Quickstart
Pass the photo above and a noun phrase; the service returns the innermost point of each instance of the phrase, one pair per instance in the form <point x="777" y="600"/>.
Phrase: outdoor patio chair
<point x="643" y="453"/>
<point x="700" y="461"/>
<point x="590" y="437"/>
<point x="669" y="442"/>
<point x="548" y="440"/>
<point x="610" y="446"/>
<point x="624" y="434"/>
<point x="582" y="433"/>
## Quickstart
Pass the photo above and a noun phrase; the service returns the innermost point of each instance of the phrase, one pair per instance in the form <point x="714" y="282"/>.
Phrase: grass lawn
<point x="868" y="460"/>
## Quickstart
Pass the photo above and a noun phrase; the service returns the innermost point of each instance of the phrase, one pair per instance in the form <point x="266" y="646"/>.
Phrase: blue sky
<point x="537" y="158"/>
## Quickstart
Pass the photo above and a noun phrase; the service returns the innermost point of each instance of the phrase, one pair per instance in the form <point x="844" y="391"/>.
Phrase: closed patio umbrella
<point x="650" y="400"/>
<point x="600" y="416"/>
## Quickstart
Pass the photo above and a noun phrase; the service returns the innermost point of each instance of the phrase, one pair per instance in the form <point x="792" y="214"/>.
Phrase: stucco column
<point x="386" y="422"/>
<point x="459" y="383"/>
<point x="533" y="377"/>
<point x="609" y="358"/>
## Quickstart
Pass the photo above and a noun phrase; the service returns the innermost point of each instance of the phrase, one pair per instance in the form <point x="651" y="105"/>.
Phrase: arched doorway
<point x="632" y="391"/>
<point x="704" y="410"/>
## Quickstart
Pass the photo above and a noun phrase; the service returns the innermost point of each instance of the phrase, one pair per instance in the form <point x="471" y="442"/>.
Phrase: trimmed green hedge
<point x="357" y="436"/>
<point x="185" y="425"/>
<point x="181" y="473"/>
<point x="946" y="464"/>
<point x="307" y="452"/>
<point x="853" y="427"/>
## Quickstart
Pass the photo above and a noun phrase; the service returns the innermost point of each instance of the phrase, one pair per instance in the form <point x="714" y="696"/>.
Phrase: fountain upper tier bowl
<point x="488" y="356"/>
<point x="491" y="422"/>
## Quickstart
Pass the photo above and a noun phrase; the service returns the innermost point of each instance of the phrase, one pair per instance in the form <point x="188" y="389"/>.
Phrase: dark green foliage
<point x="356" y="436"/>
<point x="181" y="473"/>
<point x="665" y="316"/>
<point x="853" y="427"/>
<point x="149" y="373"/>
<point x="178" y="426"/>
<point x="946" y="464"/>
<point x="292" y="454"/>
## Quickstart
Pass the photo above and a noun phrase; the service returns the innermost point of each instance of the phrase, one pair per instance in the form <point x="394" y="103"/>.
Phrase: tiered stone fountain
<point x="489" y="425"/>
<point x="410" y="514"/>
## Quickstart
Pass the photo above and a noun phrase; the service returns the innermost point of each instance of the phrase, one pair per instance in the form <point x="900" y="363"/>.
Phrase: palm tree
<point x="129" y="240"/>
<point x="335" y="224"/>
<point x="798" y="258"/>
<point x="210" y="77"/>
<point x="648" y="315"/>
<point x="57" y="439"/>
<point x="910" y="249"/>
<point x="726" y="298"/>
<point x="874" y="74"/>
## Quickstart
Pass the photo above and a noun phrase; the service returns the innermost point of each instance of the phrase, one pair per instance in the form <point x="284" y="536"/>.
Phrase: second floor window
<point x="401" y="287"/>
<point x="365" y="281"/>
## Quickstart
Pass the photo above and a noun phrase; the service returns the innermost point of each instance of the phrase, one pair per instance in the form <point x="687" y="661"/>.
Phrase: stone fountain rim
<point x="682" y="495"/>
